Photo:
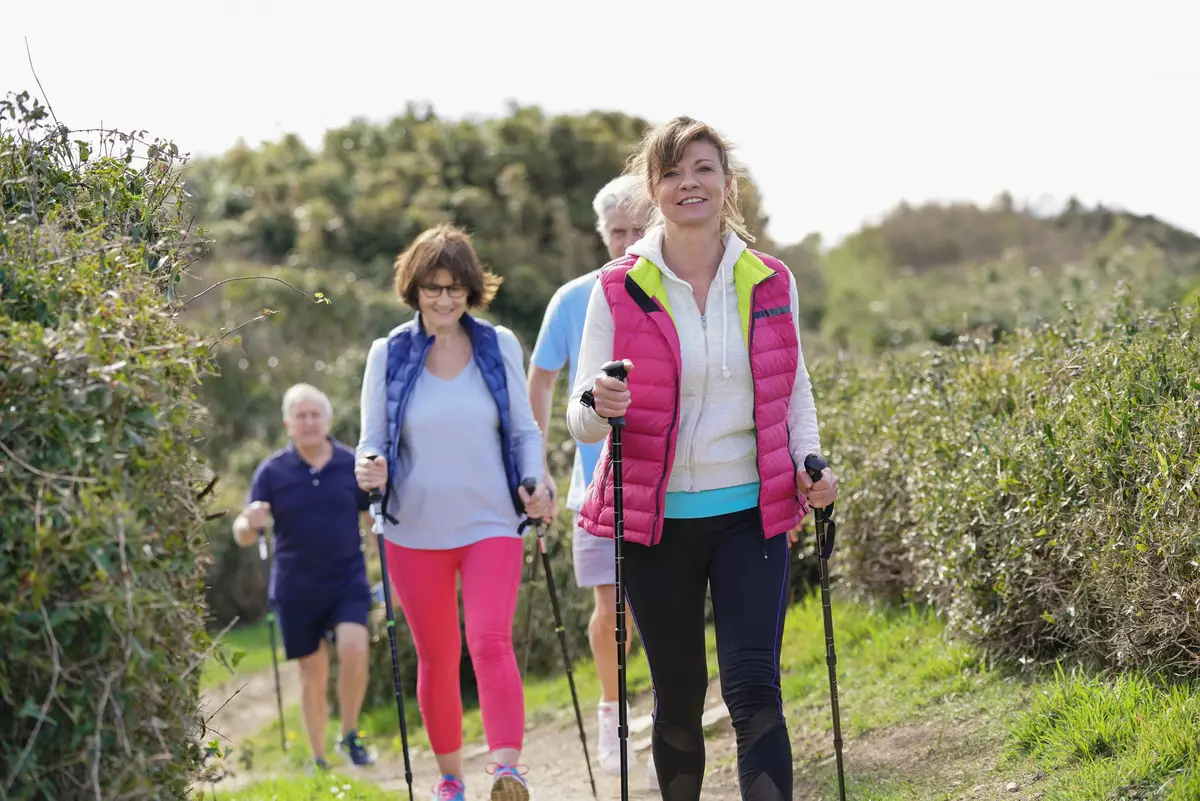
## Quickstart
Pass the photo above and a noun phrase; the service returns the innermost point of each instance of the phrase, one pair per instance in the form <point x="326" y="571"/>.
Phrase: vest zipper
<point x="656" y="533"/>
<point x="691" y="455"/>
<point x="787" y="426"/>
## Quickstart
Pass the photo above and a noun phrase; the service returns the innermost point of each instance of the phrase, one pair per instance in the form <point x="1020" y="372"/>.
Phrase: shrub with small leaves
<point x="101" y="574"/>
<point x="1041" y="491"/>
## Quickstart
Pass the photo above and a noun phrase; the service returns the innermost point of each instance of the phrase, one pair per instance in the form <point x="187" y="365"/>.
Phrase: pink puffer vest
<point x="646" y="335"/>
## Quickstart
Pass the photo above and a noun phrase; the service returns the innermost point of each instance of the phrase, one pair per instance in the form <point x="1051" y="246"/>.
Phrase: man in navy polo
<point x="318" y="581"/>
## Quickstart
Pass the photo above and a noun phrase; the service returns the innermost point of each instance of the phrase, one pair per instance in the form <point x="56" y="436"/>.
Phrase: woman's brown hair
<point x="444" y="246"/>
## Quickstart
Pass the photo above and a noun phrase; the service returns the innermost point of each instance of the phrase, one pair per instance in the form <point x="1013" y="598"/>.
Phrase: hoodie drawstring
<point x="725" y="371"/>
<point x="650" y="248"/>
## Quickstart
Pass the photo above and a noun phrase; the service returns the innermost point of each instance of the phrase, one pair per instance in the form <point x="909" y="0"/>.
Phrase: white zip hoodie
<point x="716" y="445"/>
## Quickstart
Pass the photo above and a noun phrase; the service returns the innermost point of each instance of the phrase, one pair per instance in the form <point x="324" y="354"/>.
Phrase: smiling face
<point x="439" y="276"/>
<point x="691" y="193"/>
<point x="442" y="300"/>
<point x="692" y="178"/>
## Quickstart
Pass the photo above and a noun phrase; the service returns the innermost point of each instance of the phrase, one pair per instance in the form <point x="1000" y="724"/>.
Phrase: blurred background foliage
<point x="331" y="220"/>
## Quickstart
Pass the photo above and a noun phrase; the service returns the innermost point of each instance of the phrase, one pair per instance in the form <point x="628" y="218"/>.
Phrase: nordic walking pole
<point x="264" y="553"/>
<point x="540" y="527"/>
<point x="375" y="497"/>
<point x="616" y="369"/>
<point x="529" y="613"/>
<point x="814" y="465"/>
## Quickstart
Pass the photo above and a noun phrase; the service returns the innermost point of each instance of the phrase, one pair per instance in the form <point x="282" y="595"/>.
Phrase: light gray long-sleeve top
<point x="454" y="491"/>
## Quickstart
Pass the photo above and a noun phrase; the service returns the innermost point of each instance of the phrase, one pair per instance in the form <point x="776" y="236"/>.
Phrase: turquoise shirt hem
<point x="711" y="503"/>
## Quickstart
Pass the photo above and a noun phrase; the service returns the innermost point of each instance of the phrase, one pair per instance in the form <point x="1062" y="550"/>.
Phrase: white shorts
<point x="594" y="559"/>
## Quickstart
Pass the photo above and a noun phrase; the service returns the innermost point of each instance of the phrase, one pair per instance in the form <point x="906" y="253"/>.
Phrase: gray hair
<point x="616" y="193"/>
<point x="306" y="392"/>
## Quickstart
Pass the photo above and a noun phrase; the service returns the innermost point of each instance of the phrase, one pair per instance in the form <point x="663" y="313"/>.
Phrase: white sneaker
<point x="608" y="750"/>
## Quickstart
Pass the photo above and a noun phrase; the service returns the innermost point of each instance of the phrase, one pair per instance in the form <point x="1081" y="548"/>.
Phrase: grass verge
<point x="922" y="717"/>
<point x="329" y="787"/>
<point x="1124" y="736"/>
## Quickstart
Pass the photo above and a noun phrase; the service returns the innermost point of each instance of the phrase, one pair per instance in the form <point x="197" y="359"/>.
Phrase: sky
<point x="839" y="109"/>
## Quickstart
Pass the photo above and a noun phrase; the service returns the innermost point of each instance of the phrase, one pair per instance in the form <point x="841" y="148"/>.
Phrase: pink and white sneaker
<point x="508" y="783"/>
<point x="449" y="788"/>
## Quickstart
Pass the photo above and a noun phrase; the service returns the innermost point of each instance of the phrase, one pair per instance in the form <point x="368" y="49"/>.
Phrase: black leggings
<point x="748" y="576"/>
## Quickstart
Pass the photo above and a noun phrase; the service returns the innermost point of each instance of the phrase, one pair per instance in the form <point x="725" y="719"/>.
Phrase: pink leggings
<point x="424" y="582"/>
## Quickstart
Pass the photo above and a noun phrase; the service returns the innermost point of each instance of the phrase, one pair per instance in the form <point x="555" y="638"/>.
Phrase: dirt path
<point x="241" y="706"/>
<point x="236" y="710"/>
<point x="555" y="757"/>
<point x="953" y="758"/>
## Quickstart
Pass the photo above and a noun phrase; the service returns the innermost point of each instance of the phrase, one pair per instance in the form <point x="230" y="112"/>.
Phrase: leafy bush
<point x="101" y="617"/>
<point x="1040" y="491"/>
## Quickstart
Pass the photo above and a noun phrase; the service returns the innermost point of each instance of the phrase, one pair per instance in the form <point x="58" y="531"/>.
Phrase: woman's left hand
<point x="822" y="493"/>
<point x="537" y="504"/>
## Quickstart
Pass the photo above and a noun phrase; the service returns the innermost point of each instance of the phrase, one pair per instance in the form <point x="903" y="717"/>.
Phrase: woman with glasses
<point x="444" y="402"/>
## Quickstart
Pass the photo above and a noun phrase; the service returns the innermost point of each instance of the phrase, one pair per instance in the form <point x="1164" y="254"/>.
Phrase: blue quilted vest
<point x="408" y="346"/>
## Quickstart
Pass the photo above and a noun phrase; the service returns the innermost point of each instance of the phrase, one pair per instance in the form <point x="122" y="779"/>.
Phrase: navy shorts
<point x="304" y="623"/>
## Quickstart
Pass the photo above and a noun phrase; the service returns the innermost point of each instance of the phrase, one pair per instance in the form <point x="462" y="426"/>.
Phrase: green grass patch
<point x="330" y="787"/>
<point x="242" y="651"/>
<point x="1126" y="734"/>
<point x="893" y="664"/>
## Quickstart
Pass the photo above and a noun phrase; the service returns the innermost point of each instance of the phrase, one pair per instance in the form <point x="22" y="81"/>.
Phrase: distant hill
<point x="935" y="235"/>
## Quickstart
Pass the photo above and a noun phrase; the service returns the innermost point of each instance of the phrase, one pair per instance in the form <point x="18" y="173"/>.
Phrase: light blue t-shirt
<point x="557" y="347"/>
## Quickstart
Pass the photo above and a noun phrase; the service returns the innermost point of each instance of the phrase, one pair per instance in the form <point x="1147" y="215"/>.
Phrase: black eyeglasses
<point x="434" y="291"/>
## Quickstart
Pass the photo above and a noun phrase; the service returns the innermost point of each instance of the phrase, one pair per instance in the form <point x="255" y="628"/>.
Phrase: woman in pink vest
<point x="719" y="417"/>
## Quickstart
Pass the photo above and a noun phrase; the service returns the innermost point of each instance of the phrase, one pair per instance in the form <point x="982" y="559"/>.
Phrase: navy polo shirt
<point x="316" y="549"/>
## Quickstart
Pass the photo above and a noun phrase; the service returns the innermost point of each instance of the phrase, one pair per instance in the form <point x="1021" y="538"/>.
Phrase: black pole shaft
<point x="619" y="556"/>
<point x="377" y="514"/>
<point x="815" y="466"/>
<point x="264" y="552"/>
<point x="529" y="616"/>
<point x="830" y="652"/>
<point x="562" y="641"/>
<point x="619" y="370"/>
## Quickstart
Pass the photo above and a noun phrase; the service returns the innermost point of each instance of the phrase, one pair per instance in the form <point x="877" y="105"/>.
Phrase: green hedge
<point x="101" y="587"/>
<point x="1040" y="491"/>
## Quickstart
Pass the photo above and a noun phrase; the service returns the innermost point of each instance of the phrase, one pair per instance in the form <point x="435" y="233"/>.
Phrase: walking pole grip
<point x="616" y="369"/>
<point x="374" y="496"/>
<point x="815" y="466"/>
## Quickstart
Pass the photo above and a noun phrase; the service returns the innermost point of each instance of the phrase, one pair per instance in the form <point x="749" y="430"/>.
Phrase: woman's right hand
<point x="370" y="473"/>
<point x="611" y="395"/>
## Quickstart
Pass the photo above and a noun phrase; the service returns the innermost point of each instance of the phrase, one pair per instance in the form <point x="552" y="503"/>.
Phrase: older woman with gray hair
<point x="318" y="584"/>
